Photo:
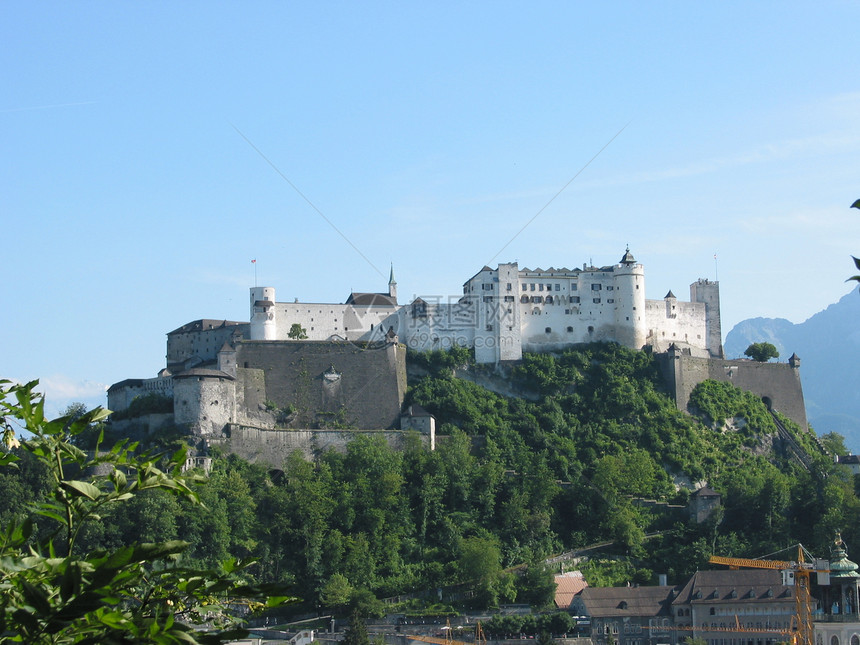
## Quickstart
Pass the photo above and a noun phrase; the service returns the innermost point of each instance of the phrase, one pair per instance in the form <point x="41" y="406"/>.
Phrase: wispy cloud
<point x="791" y="148"/>
<point x="60" y="386"/>
<point x="61" y="390"/>
<point x="33" y="108"/>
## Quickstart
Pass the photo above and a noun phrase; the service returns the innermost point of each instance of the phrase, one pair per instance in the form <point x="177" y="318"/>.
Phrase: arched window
<point x="855" y="639"/>
<point x="834" y="640"/>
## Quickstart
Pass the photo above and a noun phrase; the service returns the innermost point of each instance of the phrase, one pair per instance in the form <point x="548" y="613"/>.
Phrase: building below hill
<point x="727" y="607"/>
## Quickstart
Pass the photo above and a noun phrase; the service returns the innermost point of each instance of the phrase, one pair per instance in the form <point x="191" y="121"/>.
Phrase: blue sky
<point x="428" y="134"/>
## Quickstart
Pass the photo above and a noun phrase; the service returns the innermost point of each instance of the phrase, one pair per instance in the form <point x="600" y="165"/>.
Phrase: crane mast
<point x="800" y="570"/>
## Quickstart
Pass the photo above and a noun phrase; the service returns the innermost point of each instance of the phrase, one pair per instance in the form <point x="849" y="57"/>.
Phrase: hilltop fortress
<point x="314" y="366"/>
<point x="506" y="311"/>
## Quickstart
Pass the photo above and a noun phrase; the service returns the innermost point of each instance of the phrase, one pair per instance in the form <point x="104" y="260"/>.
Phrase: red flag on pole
<point x="253" y="262"/>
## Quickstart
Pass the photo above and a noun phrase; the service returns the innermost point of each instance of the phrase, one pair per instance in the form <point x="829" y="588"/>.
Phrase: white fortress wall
<point x="507" y="310"/>
<point x="509" y="318"/>
<point x="428" y="323"/>
<point x="672" y="321"/>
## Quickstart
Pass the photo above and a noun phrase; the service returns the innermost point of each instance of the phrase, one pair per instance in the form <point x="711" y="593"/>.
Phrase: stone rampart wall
<point x="778" y="384"/>
<point x="357" y="385"/>
<point x="272" y="447"/>
<point x="142" y="426"/>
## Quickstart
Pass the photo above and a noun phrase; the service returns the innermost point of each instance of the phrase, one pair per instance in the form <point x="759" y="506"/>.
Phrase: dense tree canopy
<point x="514" y="479"/>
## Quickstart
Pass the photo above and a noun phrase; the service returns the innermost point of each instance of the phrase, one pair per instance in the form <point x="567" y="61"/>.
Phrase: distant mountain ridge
<point x="828" y="345"/>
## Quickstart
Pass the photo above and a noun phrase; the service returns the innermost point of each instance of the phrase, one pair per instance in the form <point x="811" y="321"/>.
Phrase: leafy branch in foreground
<point x="137" y="593"/>
<point x="856" y="204"/>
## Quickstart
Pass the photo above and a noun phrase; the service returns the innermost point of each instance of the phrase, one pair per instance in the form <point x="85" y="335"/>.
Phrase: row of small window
<point x="530" y="286"/>
<point x="548" y="330"/>
<point x="574" y="300"/>
<point x="768" y="625"/>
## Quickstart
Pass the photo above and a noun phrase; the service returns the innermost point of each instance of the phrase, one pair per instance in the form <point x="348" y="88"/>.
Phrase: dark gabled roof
<point x="416" y="410"/>
<point x="371" y="300"/>
<point x="204" y="373"/>
<point x="704" y="491"/>
<point x="669" y="295"/>
<point x="204" y="324"/>
<point x="749" y="585"/>
<point x="129" y="382"/>
<point x="628" y="258"/>
<point x="850" y="459"/>
<point x="606" y="602"/>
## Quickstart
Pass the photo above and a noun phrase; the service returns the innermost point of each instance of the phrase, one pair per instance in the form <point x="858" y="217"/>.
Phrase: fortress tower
<point x="708" y="293"/>
<point x="630" y="325"/>
<point x="263" y="324"/>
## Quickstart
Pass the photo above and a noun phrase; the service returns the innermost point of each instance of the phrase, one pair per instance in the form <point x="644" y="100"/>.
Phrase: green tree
<point x="761" y="352"/>
<point x="335" y="593"/>
<point x="834" y="443"/>
<point x="480" y="564"/>
<point x="135" y="593"/>
<point x="297" y="332"/>
<point x="356" y="633"/>
<point x="536" y="586"/>
<point x="365" y="604"/>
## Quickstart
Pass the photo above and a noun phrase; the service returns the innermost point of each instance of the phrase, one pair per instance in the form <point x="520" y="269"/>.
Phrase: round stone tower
<point x="263" y="323"/>
<point x="629" y="296"/>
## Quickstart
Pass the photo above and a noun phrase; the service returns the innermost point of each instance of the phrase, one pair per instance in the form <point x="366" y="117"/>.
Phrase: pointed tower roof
<point x="628" y="257"/>
<point x="669" y="295"/>
<point x="391" y="279"/>
<point x="841" y="568"/>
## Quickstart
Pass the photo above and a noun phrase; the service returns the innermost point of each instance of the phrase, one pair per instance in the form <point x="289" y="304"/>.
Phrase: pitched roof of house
<point x="609" y="602"/>
<point x="705" y="491"/>
<point x="567" y="585"/>
<point x="371" y="300"/>
<point x="204" y="324"/>
<point x="416" y="410"/>
<point x="732" y="585"/>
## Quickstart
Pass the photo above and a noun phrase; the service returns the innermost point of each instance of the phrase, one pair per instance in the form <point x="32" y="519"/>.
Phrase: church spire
<point x="392" y="284"/>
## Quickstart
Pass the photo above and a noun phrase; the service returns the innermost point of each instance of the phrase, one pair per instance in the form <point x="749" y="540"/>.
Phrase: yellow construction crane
<point x="794" y="572"/>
